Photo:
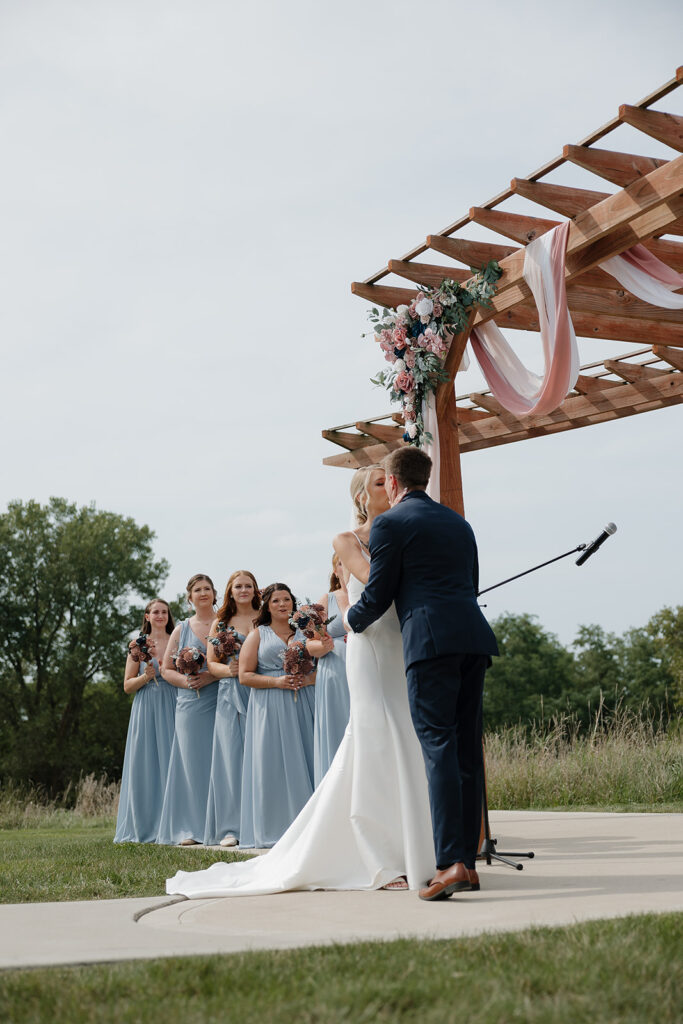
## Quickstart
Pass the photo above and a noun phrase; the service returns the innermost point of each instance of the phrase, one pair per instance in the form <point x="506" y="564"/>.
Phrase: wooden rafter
<point x="647" y="204"/>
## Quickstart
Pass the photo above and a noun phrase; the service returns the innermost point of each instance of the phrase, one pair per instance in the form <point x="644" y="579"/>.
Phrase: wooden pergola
<point x="647" y="206"/>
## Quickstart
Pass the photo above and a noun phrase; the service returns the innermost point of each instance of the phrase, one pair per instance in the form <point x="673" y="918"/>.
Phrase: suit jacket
<point x="424" y="558"/>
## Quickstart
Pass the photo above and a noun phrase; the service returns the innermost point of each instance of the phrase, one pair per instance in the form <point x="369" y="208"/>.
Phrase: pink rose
<point x="438" y="308"/>
<point x="399" y="336"/>
<point x="404" y="381"/>
<point x="409" y="413"/>
<point x="411" y="311"/>
<point x="409" y="357"/>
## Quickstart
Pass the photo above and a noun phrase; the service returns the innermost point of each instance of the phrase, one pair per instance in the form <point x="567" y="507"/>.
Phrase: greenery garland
<point x="415" y="339"/>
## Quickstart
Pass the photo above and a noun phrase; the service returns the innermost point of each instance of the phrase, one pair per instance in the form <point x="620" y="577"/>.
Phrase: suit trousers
<point x="446" y="706"/>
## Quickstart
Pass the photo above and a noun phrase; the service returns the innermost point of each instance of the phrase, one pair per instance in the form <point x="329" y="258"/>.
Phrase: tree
<point x="68" y="577"/>
<point x="528" y="682"/>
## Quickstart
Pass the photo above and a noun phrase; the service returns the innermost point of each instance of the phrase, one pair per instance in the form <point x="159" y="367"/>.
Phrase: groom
<point x="424" y="558"/>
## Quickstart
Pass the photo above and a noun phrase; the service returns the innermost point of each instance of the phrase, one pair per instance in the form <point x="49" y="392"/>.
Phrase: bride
<point x="368" y="824"/>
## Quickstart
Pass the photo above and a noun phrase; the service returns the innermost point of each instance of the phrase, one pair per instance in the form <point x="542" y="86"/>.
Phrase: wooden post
<point x="446" y="415"/>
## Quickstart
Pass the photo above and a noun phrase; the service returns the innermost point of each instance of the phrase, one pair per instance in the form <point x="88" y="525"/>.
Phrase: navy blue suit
<point x="424" y="559"/>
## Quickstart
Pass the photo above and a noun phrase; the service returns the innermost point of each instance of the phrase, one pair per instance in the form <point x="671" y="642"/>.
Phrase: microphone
<point x="592" y="548"/>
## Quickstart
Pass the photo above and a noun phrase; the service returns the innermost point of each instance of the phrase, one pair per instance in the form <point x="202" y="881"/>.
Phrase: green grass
<point x="627" y="970"/>
<point x="81" y="862"/>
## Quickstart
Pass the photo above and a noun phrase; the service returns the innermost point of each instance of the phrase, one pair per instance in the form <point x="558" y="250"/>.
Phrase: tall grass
<point x="89" y="800"/>
<point x="623" y="759"/>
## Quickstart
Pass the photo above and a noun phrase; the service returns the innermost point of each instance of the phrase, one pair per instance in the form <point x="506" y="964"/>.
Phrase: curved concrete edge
<point x="587" y="865"/>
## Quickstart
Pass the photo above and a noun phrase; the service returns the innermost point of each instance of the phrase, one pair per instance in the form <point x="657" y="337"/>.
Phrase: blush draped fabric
<point x="646" y="277"/>
<point x="517" y="389"/>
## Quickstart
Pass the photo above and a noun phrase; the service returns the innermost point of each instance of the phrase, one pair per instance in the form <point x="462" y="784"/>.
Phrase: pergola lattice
<point x="647" y="206"/>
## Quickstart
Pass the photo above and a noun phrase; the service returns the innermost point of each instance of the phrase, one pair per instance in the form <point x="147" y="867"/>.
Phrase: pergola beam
<point x="620" y="168"/>
<point x="569" y="202"/>
<point x="666" y="128"/>
<point x="427" y="273"/>
<point x="643" y="209"/>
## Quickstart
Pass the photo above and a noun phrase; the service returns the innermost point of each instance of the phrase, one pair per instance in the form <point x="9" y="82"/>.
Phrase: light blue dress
<point x="225" y="787"/>
<point x="145" y="762"/>
<point x="187" y="786"/>
<point x="332" y="707"/>
<point x="277" y="779"/>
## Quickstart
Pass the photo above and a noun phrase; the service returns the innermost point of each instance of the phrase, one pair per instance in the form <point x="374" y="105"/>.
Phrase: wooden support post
<point x="447" y="420"/>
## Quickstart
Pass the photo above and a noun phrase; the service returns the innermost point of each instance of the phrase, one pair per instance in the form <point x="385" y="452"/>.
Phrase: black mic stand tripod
<point x="488" y="849"/>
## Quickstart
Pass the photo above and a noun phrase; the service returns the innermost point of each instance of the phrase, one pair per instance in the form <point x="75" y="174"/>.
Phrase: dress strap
<point x="364" y="549"/>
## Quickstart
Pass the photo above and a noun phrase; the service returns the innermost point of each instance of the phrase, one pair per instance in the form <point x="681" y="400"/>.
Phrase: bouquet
<point x="227" y="643"/>
<point x="309" y="619"/>
<point x="296" y="661"/>
<point x="141" y="649"/>
<point x="189" y="661"/>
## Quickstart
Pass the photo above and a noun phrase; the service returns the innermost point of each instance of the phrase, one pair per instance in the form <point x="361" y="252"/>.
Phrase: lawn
<point x="627" y="970"/>
<point x="81" y="862"/>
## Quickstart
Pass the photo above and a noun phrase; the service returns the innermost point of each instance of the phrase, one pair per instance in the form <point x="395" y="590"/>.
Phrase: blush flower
<point x="409" y="357"/>
<point x="399" y="335"/>
<point x="404" y="381"/>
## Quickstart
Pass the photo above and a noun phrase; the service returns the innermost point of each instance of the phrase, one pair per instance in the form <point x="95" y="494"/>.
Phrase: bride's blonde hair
<point x="359" y="492"/>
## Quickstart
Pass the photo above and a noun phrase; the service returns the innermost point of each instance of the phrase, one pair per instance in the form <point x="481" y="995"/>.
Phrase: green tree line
<point x="73" y="582"/>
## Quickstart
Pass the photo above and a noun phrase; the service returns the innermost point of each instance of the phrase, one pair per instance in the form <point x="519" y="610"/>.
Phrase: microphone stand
<point x="580" y="547"/>
<point x="488" y="850"/>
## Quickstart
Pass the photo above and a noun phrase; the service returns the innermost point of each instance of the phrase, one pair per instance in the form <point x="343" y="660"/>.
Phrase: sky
<point x="187" y="190"/>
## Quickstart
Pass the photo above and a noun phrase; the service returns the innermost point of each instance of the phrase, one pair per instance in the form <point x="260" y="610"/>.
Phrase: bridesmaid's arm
<point x="319" y="648"/>
<point x="170" y="674"/>
<point x="132" y="682"/>
<point x="249" y="663"/>
<point x="217" y="669"/>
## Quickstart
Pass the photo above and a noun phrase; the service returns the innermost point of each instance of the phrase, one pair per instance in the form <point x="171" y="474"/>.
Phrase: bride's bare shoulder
<point x="343" y="540"/>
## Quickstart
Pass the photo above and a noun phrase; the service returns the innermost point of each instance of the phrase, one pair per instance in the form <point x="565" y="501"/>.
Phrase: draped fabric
<point x="646" y="277"/>
<point x="517" y="389"/>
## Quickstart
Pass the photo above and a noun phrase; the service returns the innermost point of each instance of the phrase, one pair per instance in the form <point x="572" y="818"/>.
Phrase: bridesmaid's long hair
<point x="146" y="626"/>
<point x="229" y="606"/>
<point x="335" y="582"/>
<point x="264" y="618"/>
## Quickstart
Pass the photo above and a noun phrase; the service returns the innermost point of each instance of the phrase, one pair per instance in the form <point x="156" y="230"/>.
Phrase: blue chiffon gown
<point x="145" y="762"/>
<point x="277" y="778"/>
<point x="225" y="786"/>
<point x="332" y="706"/>
<point x="183" y="815"/>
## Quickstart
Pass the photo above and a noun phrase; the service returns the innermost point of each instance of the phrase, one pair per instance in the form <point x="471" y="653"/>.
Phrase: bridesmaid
<point x="150" y="733"/>
<point x="187" y="786"/>
<point x="240" y="605"/>
<point x="278" y="750"/>
<point x="331" y="688"/>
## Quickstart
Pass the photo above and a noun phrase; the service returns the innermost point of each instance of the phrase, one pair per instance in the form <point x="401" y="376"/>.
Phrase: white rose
<point x="399" y="365"/>
<point x="424" y="308"/>
<point x="402" y="311"/>
<point x="412" y="429"/>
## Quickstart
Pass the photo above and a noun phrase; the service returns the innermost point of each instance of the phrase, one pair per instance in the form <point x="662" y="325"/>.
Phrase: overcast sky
<point x="187" y="190"/>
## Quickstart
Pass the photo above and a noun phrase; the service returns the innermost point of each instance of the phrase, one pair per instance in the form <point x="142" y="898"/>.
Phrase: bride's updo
<point x="359" y="492"/>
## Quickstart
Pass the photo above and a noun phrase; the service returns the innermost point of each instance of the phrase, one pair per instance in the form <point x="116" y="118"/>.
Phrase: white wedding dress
<point x="368" y="821"/>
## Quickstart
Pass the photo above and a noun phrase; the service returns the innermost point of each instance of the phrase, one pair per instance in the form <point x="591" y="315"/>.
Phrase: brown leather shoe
<point x="474" y="879"/>
<point x="456" y="878"/>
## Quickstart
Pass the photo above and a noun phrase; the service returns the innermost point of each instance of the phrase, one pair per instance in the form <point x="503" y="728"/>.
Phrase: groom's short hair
<point x="410" y="465"/>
